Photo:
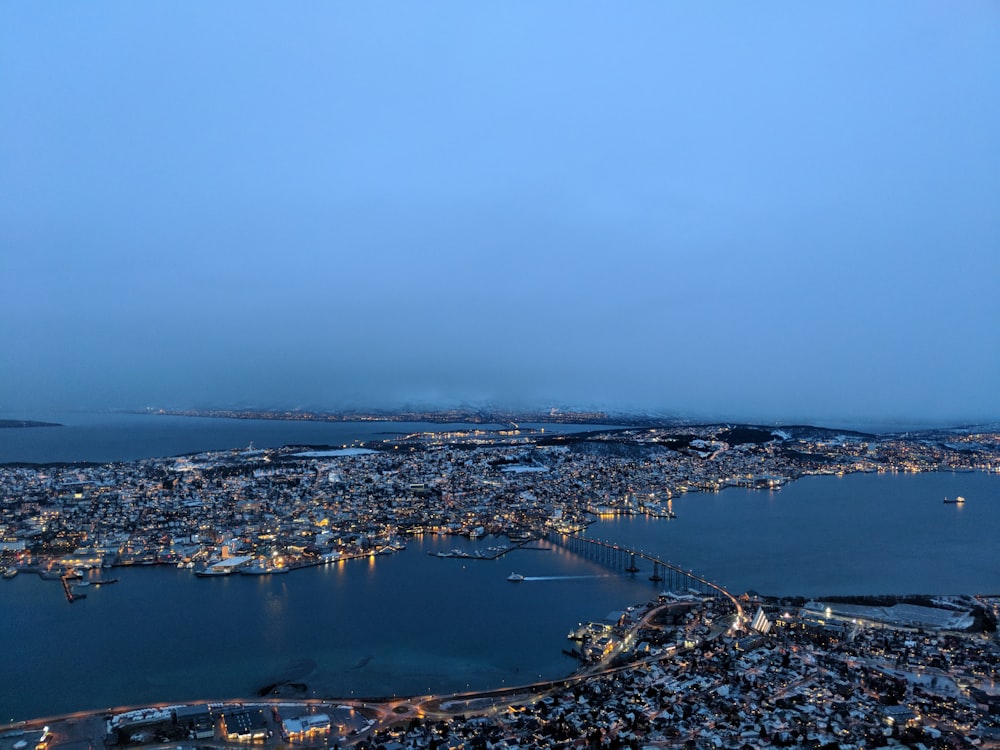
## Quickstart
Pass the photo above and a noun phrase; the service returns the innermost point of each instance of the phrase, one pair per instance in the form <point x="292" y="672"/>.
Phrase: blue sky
<point x="763" y="211"/>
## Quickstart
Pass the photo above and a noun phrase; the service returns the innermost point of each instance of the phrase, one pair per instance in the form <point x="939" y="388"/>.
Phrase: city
<point x="499" y="375"/>
<point x="688" y="669"/>
<point x="277" y="509"/>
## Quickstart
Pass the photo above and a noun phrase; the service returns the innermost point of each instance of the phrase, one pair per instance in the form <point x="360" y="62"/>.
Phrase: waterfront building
<point x="304" y="727"/>
<point x="244" y="725"/>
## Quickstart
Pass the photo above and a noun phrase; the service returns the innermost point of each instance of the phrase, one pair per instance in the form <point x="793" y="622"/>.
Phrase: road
<point x="87" y="728"/>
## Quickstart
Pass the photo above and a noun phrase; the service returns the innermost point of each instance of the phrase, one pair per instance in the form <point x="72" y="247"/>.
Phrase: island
<point x="299" y="506"/>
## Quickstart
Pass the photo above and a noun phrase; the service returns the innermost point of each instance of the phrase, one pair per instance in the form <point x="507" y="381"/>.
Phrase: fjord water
<point x="856" y="534"/>
<point x="106" y="437"/>
<point x="403" y="624"/>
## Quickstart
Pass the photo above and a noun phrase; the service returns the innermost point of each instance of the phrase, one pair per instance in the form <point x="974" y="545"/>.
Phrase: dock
<point x="71" y="596"/>
<point x="492" y="553"/>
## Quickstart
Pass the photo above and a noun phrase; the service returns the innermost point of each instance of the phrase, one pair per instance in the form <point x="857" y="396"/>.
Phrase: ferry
<point x="515" y="578"/>
<point x="213" y="572"/>
<point x="957" y="501"/>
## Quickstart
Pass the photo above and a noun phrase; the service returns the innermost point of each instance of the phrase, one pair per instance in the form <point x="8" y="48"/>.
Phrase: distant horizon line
<point x="484" y="414"/>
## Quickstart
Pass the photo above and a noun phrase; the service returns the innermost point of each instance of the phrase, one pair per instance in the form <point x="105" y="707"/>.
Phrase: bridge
<point x="617" y="557"/>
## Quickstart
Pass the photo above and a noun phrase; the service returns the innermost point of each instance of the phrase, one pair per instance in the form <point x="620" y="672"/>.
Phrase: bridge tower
<point x="632" y="567"/>
<point x="656" y="577"/>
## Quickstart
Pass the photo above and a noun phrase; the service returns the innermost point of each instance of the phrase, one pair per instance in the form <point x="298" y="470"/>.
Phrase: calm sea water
<point x="405" y="624"/>
<point x="127" y="437"/>
<point x="857" y="534"/>
<point x="411" y="623"/>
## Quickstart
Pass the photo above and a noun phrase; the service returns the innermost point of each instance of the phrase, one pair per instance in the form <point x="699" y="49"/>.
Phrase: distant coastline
<point x="16" y="423"/>
<point x="446" y="416"/>
<point x="515" y="417"/>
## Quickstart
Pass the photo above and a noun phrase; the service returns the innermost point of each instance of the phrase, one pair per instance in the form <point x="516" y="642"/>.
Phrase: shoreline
<point x="360" y="719"/>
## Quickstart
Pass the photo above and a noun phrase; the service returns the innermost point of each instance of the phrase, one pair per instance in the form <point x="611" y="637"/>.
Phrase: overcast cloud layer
<point x="771" y="211"/>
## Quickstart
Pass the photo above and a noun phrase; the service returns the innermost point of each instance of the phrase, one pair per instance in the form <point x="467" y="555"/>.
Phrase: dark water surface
<point x="401" y="624"/>
<point x="857" y="534"/>
<point x="127" y="437"/>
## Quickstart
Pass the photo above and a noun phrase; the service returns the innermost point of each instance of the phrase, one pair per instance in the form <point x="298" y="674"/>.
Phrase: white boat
<point x="515" y="578"/>
<point x="957" y="501"/>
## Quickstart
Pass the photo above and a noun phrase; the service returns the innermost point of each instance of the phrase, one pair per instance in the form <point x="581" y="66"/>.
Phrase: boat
<point x="263" y="569"/>
<point x="9" y="572"/>
<point x="515" y="578"/>
<point x="957" y="501"/>
<point x="520" y="537"/>
<point x="213" y="572"/>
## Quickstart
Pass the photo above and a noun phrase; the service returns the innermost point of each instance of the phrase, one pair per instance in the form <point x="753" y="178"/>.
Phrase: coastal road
<point x="89" y="727"/>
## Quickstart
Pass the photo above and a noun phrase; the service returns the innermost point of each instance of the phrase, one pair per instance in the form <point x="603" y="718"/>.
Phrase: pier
<point x="68" y="588"/>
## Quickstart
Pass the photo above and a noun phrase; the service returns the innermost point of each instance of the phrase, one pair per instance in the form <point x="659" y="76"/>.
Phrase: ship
<point x="515" y="578"/>
<point x="211" y="572"/>
<point x="263" y="569"/>
<point x="957" y="501"/>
